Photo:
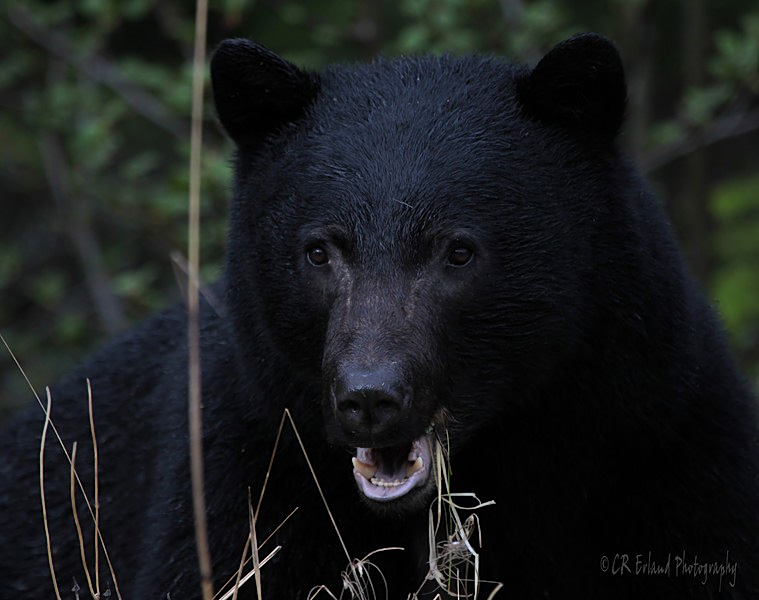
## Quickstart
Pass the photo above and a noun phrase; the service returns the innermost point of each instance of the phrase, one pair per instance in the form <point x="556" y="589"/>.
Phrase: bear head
<point x="414" y="237"/>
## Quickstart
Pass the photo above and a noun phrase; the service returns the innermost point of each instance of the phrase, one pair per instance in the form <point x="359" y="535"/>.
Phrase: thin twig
<point x="723" y="128"/>
<point x="193" y="318"/>
<point x="42" y="495"/>
<point x="80" y="537"/>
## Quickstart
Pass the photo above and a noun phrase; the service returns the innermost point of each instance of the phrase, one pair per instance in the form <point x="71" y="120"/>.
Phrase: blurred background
<point x="94" y="141"/>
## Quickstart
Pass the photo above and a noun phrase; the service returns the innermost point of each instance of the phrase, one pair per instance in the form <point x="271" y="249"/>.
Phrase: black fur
<point x="585" y="381"/>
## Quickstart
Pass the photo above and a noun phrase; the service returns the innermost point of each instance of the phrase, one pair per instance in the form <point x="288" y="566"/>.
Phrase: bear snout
<point x="369" y="403"/>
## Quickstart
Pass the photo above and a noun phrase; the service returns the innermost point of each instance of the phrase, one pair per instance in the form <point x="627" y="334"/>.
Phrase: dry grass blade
<point x="97" y="492"/>
<point x="245" y="579"/>
<point x="317" y="590"/>
<point x="80" y="537"/>
<point x="193" y="320"/>
<point x="68" y="458"/>
<point x="271" y="463"/>
<point x="244" y="561"/>
<point x="42" y="494"/>
<point x="316" y="481"/>
<point x="453" y="558"/>
<point x="356" y="579"/>
<point x="182" y="276"/>
<point x="254" y="546"/>
<point x="287" y="415"/>
<point x="454" y="554"/>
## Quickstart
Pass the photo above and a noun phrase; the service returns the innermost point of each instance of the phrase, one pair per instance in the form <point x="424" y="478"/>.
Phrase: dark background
<point x="94" y="141"/>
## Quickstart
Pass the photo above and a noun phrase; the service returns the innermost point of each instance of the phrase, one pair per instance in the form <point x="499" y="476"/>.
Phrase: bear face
<point x="420" y="259"/>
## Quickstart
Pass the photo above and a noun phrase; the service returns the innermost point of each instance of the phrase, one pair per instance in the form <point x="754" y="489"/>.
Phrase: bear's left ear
<point x="256" y="91"/>
<point x="580" y="83"/>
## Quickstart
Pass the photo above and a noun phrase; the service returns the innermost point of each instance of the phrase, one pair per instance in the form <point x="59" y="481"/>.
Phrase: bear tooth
<point x="367" y="471"/>
<point x="382" y="483"/>
<point x="417" y="465"/>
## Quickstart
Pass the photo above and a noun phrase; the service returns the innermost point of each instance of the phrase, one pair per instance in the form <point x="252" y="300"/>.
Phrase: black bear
<point x="430" y="260"/>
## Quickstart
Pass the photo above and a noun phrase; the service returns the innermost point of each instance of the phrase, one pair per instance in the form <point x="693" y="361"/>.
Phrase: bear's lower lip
<point x="386" y="474"/>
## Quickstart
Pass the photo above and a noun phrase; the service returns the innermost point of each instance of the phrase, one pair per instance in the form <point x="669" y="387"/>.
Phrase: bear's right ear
<point x="580" y="84"/>
<point x="256" y="91"/>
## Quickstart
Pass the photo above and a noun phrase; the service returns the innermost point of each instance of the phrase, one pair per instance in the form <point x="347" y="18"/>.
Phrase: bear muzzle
<point x="371" y="404"/>
<point x="373" y="409"/>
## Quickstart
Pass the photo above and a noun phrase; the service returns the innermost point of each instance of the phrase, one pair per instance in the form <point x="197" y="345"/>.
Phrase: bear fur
<point x="421" y="251"/>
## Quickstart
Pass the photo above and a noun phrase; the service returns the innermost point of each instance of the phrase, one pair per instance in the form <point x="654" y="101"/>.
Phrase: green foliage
<point x="737" y="57"/>
<point x="437" y="26"/>
<point x="96" y="140"/>
<point x="734" y="68"/>
<point x="464" y="26"/>
<point x="736" y="208"/>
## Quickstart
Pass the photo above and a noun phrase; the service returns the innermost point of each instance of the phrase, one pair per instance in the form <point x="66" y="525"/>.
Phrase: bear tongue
<point x="391" y="463"/>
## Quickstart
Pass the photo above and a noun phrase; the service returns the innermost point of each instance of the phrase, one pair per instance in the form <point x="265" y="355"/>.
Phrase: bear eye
<point x="460" y="256"/>
<point x="317" y="256"/>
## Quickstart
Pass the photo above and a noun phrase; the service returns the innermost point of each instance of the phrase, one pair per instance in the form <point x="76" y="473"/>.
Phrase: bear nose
<point x="369" y="401"/>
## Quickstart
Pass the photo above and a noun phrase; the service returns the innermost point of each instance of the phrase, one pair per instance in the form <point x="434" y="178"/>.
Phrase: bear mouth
<point x="386" y="474"/>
